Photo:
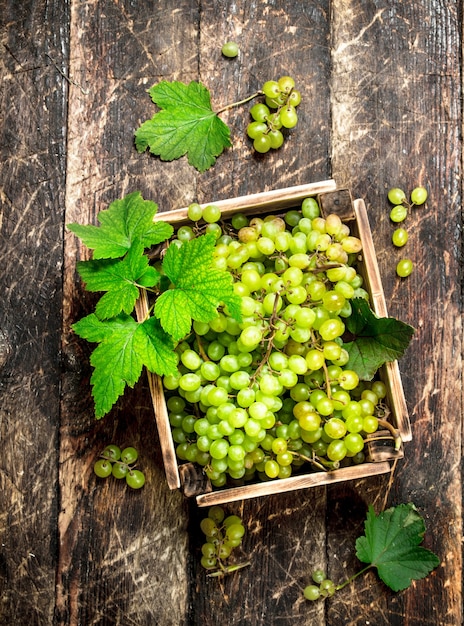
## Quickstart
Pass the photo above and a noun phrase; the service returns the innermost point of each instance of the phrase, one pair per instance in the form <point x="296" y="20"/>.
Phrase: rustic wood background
<point x="382" y="106"/>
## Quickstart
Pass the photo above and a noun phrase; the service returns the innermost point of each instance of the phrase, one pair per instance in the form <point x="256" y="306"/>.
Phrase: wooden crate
<point x="191" y="478"/>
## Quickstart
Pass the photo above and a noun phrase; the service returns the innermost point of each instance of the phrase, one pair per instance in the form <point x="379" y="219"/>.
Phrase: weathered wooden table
<point x="382" y="106"/>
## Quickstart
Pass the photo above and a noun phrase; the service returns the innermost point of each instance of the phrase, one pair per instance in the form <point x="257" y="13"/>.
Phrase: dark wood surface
<point x="381" y="85"/>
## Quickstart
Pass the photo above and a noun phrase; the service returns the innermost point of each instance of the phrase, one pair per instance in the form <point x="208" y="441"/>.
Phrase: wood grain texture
<point x="381" y="86"/>
<point x="32" y="180"/>
<point x="123" y="555"/>
<point x="396" y="110"/>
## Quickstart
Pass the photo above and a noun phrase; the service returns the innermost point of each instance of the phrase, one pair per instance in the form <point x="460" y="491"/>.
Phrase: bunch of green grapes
<point x="321" y="587"/>
<point x="399" y="212"/>
<point x="278" y="111"/>
<point x="120" y="463"/>
<point x="262" y="398"/>
<point x="222" y="534"/>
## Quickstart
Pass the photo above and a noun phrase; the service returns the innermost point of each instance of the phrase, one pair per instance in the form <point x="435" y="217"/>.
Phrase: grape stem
<point x="201" y="350"/>
<point x="270" y="339"/>
<point x="395" y="434"/>
<point x="325" y="466"/>
<point x="227" y="569"/>
<point x="239" y="103"/>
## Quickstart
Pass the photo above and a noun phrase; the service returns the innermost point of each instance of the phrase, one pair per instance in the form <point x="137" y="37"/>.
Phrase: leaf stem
<point x="240" y="102"/>
<point x="352" y="578"/>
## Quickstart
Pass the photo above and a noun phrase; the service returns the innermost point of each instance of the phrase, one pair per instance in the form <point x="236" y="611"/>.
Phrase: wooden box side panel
<point x="389" y="373"/>
<point x="264" y="202"/>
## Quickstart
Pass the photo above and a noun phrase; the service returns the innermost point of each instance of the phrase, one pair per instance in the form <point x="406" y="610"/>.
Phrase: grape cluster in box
<point x="287" y="398"/>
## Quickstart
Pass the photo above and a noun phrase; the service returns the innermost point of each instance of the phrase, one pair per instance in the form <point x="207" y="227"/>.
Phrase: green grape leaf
<point x="125" y="221"/>
<point x="125" y="346"/>
<point x="392" y="544"/>
<point x="197" y="287"/>
<point x="120" y="278"/>
<point x="373" y="340"/>
<point x="186" y="124"/>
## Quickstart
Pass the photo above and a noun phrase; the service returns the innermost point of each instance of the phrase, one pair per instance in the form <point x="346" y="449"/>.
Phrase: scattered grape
<point x="400" y="237"/>
<point x="120" y="464"/>
<point x="419" y="195"/>
<point x="277" y="112"/>
<point x="230" y="49"/>
<point x="396" y="196"/>
<point x="222" y="534"/>
<point x="135" y="479"/>
<point x="102" y="468"/>
<point x="399" y="213"/>
<point x="404" y="268"/>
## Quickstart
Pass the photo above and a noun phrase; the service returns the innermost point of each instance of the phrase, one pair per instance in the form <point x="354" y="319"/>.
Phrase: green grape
<point x="277" y="139"/>
<point x="216" y="513"/>
<point x="135" y="479"/>
<point x="129" y="455"/>
<point x="288" y="117"/>
<point x="239" y="220"/>
<point x="419" y="195"/>
<point x="271" y="89"/>
<point x="256" y="129"/>
<point x="102" y="468"/>
<point x="230" y="49"/>
<point x="294" y="98"/>
<point x="396" y="195"/>
<point x="335" y="428"/>
<point x="120" y="470"/>
<point x="379" y="388"/>
<point x="271" y="468"/>
<point x="259" y="112"/>
<point x="404" y="268"/>
<point x="194" y="212"/>
<point x="235" y="531"/>
<point x="312" y="592"/>
<point x="354" y="443"/>
<point x="191" y="359"/>
<point x="400" y="237"/>
<point x="399" y="213"/>
<point x="211" y="213"/>
<point x="310" y="208"/>
<point x="348" y="380"/>
<point x="327" y="587"/>
<point x="262" y="143"/>
<point x="286" y="84"/>
<point x="112" y="453"/>
<point x="185" y="233"/>
<point x="370" y="424"/>
<point x="318" y="576"/>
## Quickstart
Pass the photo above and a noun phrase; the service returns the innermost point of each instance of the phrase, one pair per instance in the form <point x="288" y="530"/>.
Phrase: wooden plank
<point x="123" y="554"/>
<point x="275" y="38"/>
<point x="33" y="54"/>
<point x="397" y="122"/>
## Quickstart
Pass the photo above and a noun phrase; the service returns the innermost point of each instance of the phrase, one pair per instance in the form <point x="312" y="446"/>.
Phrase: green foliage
<point x="198" y="288"/>
<point x="124" y="347"/>
<point x="375" y="340"/>
<point x="187" y="288"/>
<point x="125" y="221"/>
<point x="120" y="278"/>
<point x="186" y="124"/>
<point x="392" y="545"/>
